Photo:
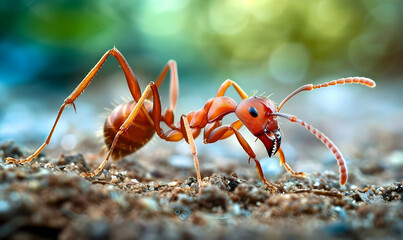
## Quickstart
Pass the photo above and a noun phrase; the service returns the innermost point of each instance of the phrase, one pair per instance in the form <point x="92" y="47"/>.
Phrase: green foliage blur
<point x="285" y="41"/>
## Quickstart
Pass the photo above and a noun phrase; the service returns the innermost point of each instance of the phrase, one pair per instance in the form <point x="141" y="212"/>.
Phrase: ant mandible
<point x="131" y="125"/>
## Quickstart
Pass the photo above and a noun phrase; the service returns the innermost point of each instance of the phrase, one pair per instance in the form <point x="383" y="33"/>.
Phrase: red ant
<point x="131" y="125"/>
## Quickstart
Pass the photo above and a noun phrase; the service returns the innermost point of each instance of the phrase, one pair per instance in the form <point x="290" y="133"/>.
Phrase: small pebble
<point x="172" y="184"/>
<point x="115" y="179"/>
<point x="236" y="209"/>
<point x="34" y="185"/>
<point x="150" y="204"/>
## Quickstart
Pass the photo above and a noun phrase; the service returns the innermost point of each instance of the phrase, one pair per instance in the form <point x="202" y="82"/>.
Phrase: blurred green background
<point x="286" y="41"/>
<point x="274" y="46"/>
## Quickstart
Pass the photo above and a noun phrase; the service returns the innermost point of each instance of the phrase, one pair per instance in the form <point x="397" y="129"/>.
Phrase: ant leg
<point x="173" y="135"/>
<point x="174" y="82"/>
<point x="351" y="80"/>
<point x="216" y="135"/>
<point x="209" y="128"/>
<point x="126" y="124"/>
<point x="221" y="91"/>
<point x="190" y="140"/>
<point x="36" y="153"/>
<point x="131" y="81"/>
<point x="168" y="116"/>
<point x="287" y="167"/>
<point x="214" y="138"/>
<point x="237" y="125"/>
<point x="325" y="140"/>
<point x="226" y="84"/>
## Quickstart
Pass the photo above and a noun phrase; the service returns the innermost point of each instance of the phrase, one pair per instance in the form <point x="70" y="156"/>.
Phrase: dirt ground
<point x="48" y="199"/>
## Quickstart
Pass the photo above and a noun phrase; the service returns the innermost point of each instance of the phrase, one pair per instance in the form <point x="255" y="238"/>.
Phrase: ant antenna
<point x="350" y="80"/>
<point x="325" y="140"/>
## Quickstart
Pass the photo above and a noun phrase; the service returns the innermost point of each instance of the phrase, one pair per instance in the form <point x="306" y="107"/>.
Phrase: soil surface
<point x="48" y="199"/>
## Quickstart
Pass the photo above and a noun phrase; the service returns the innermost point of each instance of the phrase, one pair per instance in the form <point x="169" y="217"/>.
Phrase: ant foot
<point x="270" y="185"/>
<point x="88" y="175"/>
<point x="300" y="174"/>
<point x="10" y="160"/>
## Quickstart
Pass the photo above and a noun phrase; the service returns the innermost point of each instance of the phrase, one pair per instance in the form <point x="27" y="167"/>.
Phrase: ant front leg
<point x="217" y="133"/>
<point x="287" y="167"/>
<point x="131" y="81"/>
<point x="325" y="140"/>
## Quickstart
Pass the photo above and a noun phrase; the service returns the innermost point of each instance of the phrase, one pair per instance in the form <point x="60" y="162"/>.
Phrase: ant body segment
<point x="131" y="125"/>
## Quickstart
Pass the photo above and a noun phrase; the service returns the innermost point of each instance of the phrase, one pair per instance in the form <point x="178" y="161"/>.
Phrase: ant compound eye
<point x="253" y="112"/>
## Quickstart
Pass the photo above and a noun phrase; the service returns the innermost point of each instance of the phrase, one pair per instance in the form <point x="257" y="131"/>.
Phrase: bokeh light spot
<point x="162" y="18"/>
<point x="227" y="17"/>
<point x="329" y="19"/>
<point x="385" y="14"/>
<point x="363" y="57"/>
<point x="267" y="10"/>
<point x="69" y="142"/>
<point x="289" y="62"/>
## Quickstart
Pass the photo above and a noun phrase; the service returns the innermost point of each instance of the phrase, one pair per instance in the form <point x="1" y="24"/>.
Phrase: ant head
<point x="255" y="114"/>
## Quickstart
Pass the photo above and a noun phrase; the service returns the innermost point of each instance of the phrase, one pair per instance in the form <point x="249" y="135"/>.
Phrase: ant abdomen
<point x="135" y="137"/>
